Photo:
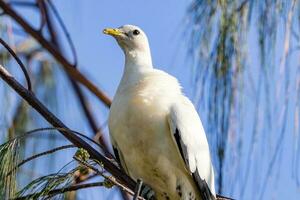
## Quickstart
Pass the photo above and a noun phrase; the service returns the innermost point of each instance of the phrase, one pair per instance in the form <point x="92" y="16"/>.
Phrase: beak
<point x="112" y="31"/>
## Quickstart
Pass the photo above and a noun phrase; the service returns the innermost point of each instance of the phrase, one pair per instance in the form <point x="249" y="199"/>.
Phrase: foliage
<point x="42" y="186"/>
<point x="9" y="158"/>
<point x="245" y="72"/>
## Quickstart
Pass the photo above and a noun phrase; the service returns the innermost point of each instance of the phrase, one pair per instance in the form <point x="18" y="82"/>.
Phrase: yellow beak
<point x="112" y="31"/>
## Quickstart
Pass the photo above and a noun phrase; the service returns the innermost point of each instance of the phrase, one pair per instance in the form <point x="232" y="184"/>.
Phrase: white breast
<point x="138" y="124"/>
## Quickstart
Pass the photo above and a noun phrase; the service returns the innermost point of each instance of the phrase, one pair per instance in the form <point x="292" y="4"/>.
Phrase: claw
<point x="147" y="193"/>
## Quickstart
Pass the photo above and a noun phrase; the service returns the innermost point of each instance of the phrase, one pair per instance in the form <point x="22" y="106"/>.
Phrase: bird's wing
<point x="119" y="157"/>
<point x="190" y="137"/>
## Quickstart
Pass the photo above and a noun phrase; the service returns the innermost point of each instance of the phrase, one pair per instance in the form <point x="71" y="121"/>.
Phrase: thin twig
<point x="63" y="190"/>
<point x="18" y="61"/>
<point x="40" y="155"/>
<point x="110" y="158"/>
<point x="242" y="5"/>
<point x="42" y="15"/>
<point x="111" y="179"/>
<point x="137" y="189"/>
<point x="23" y="3"/>
<point x="65" y="30"/>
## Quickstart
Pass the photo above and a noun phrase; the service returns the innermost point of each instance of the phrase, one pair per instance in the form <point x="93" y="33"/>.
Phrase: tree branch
<point x="54" y="121"/>
<point x="68" y="67"/>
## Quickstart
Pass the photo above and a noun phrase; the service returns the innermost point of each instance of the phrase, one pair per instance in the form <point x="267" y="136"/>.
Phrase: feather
<point x="191" y="141"/>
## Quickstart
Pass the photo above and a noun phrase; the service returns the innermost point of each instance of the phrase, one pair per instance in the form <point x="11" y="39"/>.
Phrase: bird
<point x="155" y="130"/>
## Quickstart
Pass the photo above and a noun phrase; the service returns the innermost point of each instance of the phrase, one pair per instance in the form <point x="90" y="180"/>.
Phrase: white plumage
<point x="155" y="129"/>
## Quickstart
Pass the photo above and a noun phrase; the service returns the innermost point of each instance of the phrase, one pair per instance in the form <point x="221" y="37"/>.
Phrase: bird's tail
<point x="220" y="197"/>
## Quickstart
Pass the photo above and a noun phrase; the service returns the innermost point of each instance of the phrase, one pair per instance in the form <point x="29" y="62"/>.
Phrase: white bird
<point x="155" y="130"/>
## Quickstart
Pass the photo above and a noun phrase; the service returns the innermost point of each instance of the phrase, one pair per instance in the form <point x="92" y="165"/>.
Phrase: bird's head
<point x="130" y="38"/>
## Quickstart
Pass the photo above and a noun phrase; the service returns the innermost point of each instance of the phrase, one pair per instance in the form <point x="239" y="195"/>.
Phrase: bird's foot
<point x="147" y="193"/>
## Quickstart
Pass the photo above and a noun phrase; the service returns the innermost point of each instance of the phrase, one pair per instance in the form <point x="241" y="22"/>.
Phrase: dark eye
<point x="136" y="32"/>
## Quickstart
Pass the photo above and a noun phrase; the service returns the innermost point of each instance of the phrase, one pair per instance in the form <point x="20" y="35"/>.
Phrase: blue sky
<point x="102" y="61"/>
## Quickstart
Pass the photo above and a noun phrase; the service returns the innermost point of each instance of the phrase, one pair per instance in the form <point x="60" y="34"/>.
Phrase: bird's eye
<point x="136" y="32"/>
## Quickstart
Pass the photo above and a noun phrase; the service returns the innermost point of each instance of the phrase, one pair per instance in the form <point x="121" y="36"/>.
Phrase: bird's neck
<point x="136" y="63"/>
<point x="138" y="60"/>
